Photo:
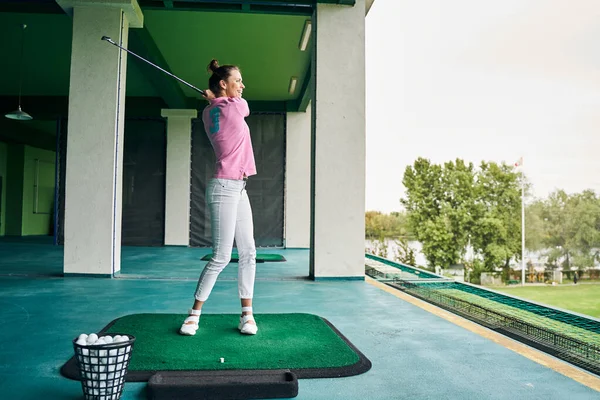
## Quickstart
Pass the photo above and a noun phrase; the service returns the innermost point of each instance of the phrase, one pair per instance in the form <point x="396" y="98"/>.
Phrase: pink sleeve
<point x="242" y="106"/>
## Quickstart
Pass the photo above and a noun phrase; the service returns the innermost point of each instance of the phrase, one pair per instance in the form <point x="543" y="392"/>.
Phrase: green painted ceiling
<point x="47" y="49"/>
<point x="265" y="46"/>
<point x="47" y="57"/>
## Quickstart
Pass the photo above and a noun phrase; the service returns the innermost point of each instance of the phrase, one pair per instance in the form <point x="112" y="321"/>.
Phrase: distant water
<point x="392" y="248"/>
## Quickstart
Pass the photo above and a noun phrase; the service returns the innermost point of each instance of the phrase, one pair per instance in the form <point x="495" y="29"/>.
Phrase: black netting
<point x="144" y="165"/>
<point x="265" y="190"/>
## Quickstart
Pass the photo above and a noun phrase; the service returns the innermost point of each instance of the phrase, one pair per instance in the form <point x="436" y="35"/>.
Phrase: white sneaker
<point x="244" y="326"/>
<point x="190" y="329"/>
<point x="247" y="328"/>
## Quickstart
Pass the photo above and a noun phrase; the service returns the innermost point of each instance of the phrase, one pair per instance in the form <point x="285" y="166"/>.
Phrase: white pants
<point x="231" y="217"/>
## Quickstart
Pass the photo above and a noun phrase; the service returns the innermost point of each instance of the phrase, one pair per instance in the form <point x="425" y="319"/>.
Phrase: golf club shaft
<point x="109" y="40"/>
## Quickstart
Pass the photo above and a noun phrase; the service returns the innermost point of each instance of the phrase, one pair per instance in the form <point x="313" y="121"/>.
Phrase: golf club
<point x="109" y="40"/>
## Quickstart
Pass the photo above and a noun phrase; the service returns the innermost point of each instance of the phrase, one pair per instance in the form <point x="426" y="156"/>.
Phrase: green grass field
<point x="581" y="298"/>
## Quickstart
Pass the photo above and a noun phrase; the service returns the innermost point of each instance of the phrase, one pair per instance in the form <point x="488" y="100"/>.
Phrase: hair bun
<point x="214" y="65"/>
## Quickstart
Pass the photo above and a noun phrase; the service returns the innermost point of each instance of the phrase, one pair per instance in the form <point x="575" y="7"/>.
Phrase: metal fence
<point x="584" y="355"/>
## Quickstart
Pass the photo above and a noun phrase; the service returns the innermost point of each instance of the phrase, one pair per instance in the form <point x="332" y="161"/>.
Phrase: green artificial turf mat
<point x="259" y="257"/>
<point x="306" y="344"/>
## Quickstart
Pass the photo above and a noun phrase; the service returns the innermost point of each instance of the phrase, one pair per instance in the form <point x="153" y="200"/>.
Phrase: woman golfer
<point x="230" y="211"/>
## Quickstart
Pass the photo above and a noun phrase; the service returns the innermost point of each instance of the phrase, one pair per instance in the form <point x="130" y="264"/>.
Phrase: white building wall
<point x="297" y="180"/>
<point x="338" y="231"/>
<point x="95" y="139"/>
<point x="177" y="193"/>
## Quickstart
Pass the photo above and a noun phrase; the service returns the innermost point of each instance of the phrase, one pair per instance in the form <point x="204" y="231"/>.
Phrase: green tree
<point x="582" y="211"/>
<point x="560" y="230"/>
<point x="458" y="180"/>
<point x="535" y="226"/>
<point x="379" y="225"/>
<point x="373" y="227"/>
<point x="400" y="227"/>
<point x="423" y="205"/>
<point x="437" y="201"/>
<point x="496" y="233"/>
<point x="453" y="205"/>
<point x="570" y="228"/>
<point x="587" y="235"/>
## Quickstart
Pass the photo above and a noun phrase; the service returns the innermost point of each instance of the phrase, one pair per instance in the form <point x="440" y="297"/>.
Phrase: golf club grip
<point x="109" y="40"/>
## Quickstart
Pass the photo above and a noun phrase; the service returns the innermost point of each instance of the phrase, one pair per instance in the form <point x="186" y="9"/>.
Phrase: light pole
<point x="519" y="165"/>
<point x="522" y="231"/>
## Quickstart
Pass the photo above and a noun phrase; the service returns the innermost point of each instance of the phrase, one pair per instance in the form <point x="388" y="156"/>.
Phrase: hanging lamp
<point x="19" y="114"/>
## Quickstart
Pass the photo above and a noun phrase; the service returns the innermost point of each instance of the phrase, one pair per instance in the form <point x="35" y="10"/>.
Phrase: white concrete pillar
<point x="179" y="158"/>
<point x="297" y="180"/>
<point x="95" y="135"/>
<point x="338" y="135"/>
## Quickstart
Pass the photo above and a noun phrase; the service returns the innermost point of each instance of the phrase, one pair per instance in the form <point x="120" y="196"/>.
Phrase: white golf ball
<point x="92" y="338"/>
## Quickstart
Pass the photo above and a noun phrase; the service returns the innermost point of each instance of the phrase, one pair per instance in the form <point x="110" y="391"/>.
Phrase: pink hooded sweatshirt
<point x="230" y="137"/>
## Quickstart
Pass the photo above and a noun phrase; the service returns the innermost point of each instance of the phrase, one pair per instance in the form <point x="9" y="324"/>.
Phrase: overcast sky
<point x="483" y="80"/>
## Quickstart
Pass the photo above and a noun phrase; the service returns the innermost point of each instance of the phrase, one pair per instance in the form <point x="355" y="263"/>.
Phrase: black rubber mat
<point x="223" y="385"/>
